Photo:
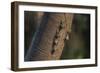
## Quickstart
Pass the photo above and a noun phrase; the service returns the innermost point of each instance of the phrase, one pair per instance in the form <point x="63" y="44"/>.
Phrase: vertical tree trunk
<point x="48" y="41"/>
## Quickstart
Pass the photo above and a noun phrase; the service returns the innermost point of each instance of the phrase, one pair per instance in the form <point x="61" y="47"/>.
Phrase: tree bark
<point x="48" y="41"/>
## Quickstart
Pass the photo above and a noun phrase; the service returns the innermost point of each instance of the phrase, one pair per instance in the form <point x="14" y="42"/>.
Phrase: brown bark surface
<point x="48" y="41"/>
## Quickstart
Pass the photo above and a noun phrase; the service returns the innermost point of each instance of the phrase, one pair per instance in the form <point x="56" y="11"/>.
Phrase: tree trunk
<point x="48" y="41"/>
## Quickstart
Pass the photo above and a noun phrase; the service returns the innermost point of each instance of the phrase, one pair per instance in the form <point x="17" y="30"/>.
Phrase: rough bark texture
<point x="48" y="41"/>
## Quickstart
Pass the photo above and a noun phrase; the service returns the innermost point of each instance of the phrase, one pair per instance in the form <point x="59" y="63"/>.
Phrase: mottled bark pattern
<point x="66" y="22"/>
<point x="43" y="45"/>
